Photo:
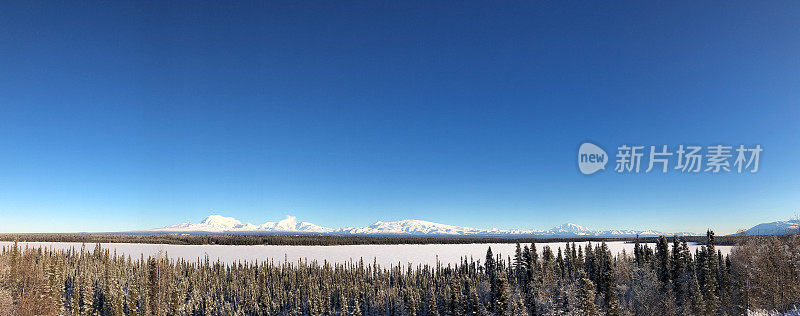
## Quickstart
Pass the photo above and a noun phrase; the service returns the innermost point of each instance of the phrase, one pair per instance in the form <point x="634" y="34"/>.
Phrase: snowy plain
<point x="385" y="255"/>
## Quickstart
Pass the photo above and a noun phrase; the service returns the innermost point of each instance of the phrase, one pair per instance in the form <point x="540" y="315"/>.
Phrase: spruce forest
<point x="761" y="273"/>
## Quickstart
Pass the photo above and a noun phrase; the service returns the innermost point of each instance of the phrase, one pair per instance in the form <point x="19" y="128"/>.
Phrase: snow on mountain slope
<point x="219" y="224"/>
<point x="419" y="227"/>
<point x="212" y="223"/>
<point x="290" y="224"/>
<point x="570" y="229"/>
<point x="411" y="227"/>
<point x="775" y="228"/>
<point x="574" y="230"/>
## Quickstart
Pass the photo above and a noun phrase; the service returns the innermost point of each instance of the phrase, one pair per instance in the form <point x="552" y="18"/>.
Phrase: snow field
<point x="385" y="255"/>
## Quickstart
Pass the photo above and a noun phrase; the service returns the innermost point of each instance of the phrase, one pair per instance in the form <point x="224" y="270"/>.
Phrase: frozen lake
<point x="383" y="254"/>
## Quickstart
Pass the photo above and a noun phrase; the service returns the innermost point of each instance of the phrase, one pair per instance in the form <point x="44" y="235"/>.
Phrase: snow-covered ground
<point x="383" y="254"/>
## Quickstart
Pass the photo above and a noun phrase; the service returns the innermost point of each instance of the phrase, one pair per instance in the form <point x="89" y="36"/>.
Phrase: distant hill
<point x="775" y="228"/>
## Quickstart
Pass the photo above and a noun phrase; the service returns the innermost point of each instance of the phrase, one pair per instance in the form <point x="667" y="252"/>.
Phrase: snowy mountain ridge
<point x="413" y="227"/>
<point x="220" y="224"/>
<point x="775" y="228"/>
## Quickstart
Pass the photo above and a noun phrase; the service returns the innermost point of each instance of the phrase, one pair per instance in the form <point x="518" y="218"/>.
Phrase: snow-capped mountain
<point x="212" y="223"/>
<point x="573" y="230"/>
<point x="775" y="228"/>
<point x="419" y="227"/>
<point x="570" y="229"/>
<point x="221" y="224"/>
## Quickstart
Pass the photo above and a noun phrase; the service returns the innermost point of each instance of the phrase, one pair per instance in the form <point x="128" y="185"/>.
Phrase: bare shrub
<point x="767" y="270"/>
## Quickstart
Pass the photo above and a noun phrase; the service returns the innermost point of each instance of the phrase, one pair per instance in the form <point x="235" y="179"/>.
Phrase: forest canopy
<point x="761" y="273"/>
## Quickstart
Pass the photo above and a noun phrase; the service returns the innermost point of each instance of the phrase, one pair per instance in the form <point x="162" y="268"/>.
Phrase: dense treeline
<point x="305" y="240"/>
<point x="665" y="280"/>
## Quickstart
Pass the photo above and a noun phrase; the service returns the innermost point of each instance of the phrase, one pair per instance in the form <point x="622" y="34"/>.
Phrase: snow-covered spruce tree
<point x="502" y="295"/>
<point x="662" y="260"/>
<point x="518" y="262"/>
<point x="607" y="285"/>
<point x="586" y="305"/>
<point x="708" y="276"/>
<point x="533" y="280"/>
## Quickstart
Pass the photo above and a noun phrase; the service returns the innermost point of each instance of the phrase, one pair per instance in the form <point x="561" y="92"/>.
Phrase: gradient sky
<point x="130" y="115"/>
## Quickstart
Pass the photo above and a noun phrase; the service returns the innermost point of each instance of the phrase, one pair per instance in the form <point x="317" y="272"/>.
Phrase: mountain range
<point x="411" y="227"/>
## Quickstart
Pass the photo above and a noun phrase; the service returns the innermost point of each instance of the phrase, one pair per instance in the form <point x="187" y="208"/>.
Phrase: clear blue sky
<point x="128" y="115"/>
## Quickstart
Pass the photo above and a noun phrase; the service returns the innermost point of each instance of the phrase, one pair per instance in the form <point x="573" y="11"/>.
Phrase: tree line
<point x="311" y="239"/>
<point x="667" y="279"/>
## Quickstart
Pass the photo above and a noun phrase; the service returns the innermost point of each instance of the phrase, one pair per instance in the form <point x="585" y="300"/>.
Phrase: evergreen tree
<point x="356" y="310"/>
<point x="607" y="283"/>
<point x="456" y="305"/>
<point x="502" y="296"/>
<point x="709" y="276"/>
<point x="433" y="307"/>
<point x="590" y="264"/>
<point x="698" y="306"/>
<point x="680" y="262"/>
<point x="662" y="260"/>
<point x="518" y="262"/>
<point x="586" y="305"/>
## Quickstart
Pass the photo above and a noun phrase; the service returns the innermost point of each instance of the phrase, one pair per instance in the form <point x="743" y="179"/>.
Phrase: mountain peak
<point x="570" y="228"/>
<point x="775" y="228"/>
<point x="219" y="220"/>
<point x="289" y="223"/>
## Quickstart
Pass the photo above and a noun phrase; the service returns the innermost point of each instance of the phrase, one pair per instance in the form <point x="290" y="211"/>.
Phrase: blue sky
<point x="129" y="115"/>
